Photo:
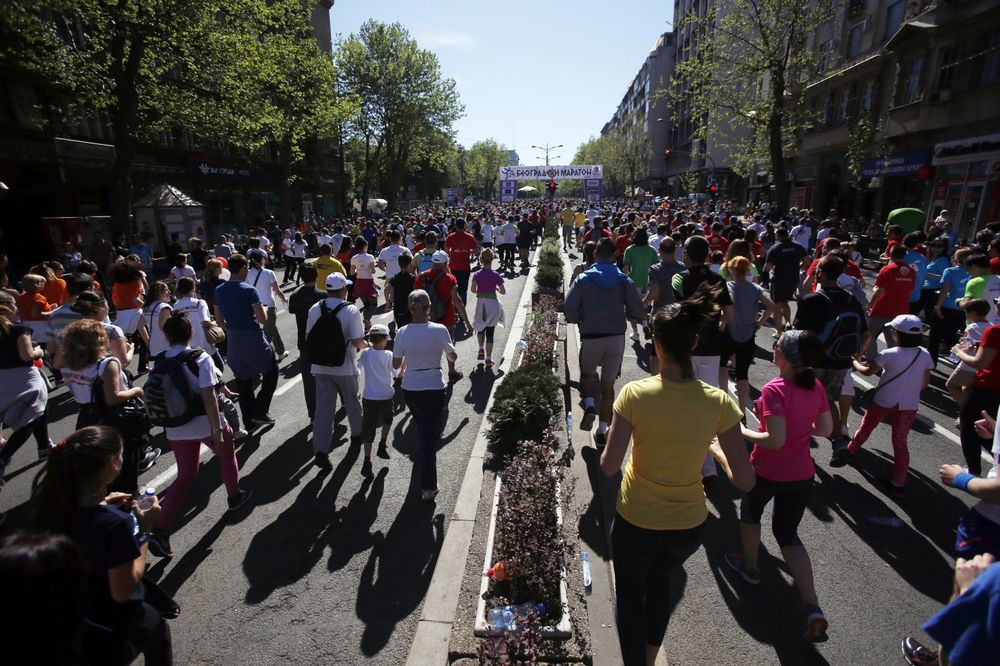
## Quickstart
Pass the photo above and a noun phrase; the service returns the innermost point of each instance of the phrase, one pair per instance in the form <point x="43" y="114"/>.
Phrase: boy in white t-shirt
<point x="376" y="398"/>
<point x="905" y="371"/>
<point x="976" y="312"/>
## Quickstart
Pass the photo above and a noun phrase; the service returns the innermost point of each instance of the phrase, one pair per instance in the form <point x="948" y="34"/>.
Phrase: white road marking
<point x="289" y="385"/>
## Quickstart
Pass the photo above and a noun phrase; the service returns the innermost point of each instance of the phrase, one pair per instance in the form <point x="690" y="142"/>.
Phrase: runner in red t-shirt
<point x="461" y="246"/>
<point x="447" y="289"/>
<point x="890" y="298"/>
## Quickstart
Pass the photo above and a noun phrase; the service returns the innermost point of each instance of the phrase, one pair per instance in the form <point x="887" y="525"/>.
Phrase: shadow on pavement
<point x="596" y="519"/>
<point x="399" y="568"/>
<point x="481" y="383"/>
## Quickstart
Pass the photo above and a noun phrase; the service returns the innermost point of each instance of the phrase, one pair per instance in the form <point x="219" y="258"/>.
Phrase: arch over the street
<point x="592" y="176"/>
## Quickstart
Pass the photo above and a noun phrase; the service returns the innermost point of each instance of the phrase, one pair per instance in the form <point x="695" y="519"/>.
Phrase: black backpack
<point x="170" y="400"/>
<point x="841" y="337"/>
<point x="325" y="342"/>
<point x="438" y="307"/>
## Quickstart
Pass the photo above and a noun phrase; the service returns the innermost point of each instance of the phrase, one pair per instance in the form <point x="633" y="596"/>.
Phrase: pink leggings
<point x="188" y="456"/>
<point x="902" y="421"/>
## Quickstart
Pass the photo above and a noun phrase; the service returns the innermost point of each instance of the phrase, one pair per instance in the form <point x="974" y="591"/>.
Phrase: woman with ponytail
<point x="70" y="497"/>
<point x="791" y="409"/>
<point x="672" y="419"/>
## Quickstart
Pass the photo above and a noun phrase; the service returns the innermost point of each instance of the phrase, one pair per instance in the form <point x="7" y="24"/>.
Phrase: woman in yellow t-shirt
<point x="672" y="419"/>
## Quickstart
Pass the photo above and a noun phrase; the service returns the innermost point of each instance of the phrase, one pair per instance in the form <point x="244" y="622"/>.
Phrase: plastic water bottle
<point x="522" y="346"/>
<point x="506" y="618"/>
<point x="500" y="619"/>
<point x="585" y="563"/>
<point x="148" y="498"/>
<point x="569" y="424"/>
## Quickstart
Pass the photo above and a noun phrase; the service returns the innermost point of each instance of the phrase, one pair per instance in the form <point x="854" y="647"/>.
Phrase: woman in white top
<point x="181" y="269"/>
<point x="197" y="313"/>
<point x="294" y="254"/>
<point x="266" y="283"/>
<point x="92" y="305"/>
<point x="185" y="440"/>
<point x="153" y="317"/>
<point x="422" y="344"/>
<point x="363" y="272"/>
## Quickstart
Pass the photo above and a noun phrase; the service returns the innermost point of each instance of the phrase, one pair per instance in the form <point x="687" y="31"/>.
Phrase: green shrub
<point x="524" y="405"/>
<point x="549" y="277"/>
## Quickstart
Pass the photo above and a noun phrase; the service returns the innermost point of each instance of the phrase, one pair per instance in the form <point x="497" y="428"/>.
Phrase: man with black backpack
<point x="335" y="332"/>
<point x="838" y="318"/>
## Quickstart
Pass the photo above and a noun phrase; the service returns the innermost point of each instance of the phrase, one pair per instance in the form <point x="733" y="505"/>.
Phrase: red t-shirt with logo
<point x="717" y="243"/>
<point x="989" y="377"/>
<point x="897" y="280"/>
<point x="444" y="285"/>
<point x="460" y="246"/>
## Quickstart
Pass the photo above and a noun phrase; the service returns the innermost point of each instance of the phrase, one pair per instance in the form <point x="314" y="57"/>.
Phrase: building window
<point x="824" y="55"/>
<point x="893" y="18"/>
<point x="987" y="60"/>
<point x="854" y="40"/>
<point x="908" y="83"/>
<point x="947" y="61"/>
<point x="823" y="120"/>
<point x="868" y="96"/>
<point x="843" y="106"/>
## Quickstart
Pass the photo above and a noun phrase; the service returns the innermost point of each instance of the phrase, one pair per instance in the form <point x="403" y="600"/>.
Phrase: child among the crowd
<point x="976" y="310"/>
<point x="376" y="399"/>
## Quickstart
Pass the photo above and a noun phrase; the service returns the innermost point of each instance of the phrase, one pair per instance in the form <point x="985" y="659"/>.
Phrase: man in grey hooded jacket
<point x="600" y="302"/>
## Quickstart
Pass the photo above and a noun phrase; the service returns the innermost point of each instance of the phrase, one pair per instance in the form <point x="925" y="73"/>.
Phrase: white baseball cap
<point x="439" y="257"/>
<point x="378" y="329"/>
<point x="907" y="323"/>
<point x="336" y="282"/>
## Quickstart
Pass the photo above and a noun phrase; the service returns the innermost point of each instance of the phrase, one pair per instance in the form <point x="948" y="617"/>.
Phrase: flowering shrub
<point x="527" y="535"/>
<point x="524" y="405"/>
<point x="541" y="334"/>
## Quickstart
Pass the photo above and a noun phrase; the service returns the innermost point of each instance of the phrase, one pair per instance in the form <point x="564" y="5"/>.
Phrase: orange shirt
<point x="26" y="303"/>
<point x="55" y="292"/>
<point x="123" y="294"/>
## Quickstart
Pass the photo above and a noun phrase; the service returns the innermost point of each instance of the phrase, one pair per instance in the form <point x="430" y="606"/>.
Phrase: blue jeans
<point x="427" y="408"/>
<point x="643" y="561"/>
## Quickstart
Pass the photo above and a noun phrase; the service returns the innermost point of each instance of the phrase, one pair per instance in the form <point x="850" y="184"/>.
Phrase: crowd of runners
<point x="383" y="305"/>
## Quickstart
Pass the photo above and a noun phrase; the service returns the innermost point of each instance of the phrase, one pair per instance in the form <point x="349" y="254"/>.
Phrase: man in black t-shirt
<point x="298" y="304"/>
<point x="399" y="290"/>
<point x="839" y="319"/>
<point x="786" y="258"/>
<point x="709" y="355"/>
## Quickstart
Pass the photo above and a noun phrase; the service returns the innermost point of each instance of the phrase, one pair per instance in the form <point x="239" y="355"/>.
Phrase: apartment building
<point x="912" y="86"/>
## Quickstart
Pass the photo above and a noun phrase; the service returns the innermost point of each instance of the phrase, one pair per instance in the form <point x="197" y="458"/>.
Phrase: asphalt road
<point x="320" y="567"/>
<point x="875" y="583"/>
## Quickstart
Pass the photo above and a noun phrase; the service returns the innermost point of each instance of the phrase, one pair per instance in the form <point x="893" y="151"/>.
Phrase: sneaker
<point x="322" y="460"/>
<point x="899" y="492"/>
<point x="366" y="469"/>
<point x="481" y="355"/>
<point x="916" y="653"/>
<point x="159" y="544"/>
<point x="241" y="434"/>
<point x="589" y="416"/>
<point x="282" y="356"/>
<point x="264" y="420"/>
<point x="148" y="460"/>
<point x="738" y="564"/>
<point x="635" y="336"/>
<point x="428" y="495"/>
<point x="600" y="440"/>
<point x="489" y="363"/>
<point x="382" y="451"/>
<point x="44" y="451"/>
<point x="454" y="376"/>
<point x="816" y="626"/>
<point x="241" y="498"/>
<point x="842" y="457"/>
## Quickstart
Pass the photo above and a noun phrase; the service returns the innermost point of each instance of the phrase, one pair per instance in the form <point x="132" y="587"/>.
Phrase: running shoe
<point x="842" y="457"/>
<point x="242" y="434"/>
<point x="899" y="492"/>
<point x="428" y="495"/>
<point x="382" y="451"/>
<point x="917" y="654"/>
<point x="635" y="335"/>
<point x="600" y="440"/>
<point x="322" y="460"/>
<point x="282" y="356"/>
<point x="481" y="355"/>
<point x="264" y="420"/>
<point x="489" y="363"/>
<point x="816" y="626"/>
<point x="44" y="451"/>
<point x="738" y="564"/>
<point x="366" y="469"/>
<point x="148" y="460"/>
<point x="159" y="544"/>
<point x="454" y="376"/>
<point x="241" y="498"/>
<point x="589" y="416"/>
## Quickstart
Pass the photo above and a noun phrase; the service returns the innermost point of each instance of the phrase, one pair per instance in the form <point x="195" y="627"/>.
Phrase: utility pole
<point x="547" y="150"/>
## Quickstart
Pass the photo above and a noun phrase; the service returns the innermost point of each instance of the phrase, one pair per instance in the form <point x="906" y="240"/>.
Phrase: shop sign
<point x="966" y="149"/>
<point x="209" y="169"/>
<point x="898" y="164"/>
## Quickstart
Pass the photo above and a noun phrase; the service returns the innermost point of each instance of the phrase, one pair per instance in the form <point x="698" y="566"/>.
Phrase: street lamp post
<point x="547" y="148"/>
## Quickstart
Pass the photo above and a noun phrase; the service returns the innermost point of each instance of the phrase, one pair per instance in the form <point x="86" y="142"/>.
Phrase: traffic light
<point x="713" y="186"/>
<point x="667" y="153"/>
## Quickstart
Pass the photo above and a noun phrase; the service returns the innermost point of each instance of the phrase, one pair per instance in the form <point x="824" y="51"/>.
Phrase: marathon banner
<point x="508" y="191"/>
<point x="570" y="172"/>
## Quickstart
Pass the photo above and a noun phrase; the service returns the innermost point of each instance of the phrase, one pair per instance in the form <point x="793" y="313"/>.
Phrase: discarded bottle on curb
<point x="569" y="424"/>
<point x="148" y="498"/>
<point x="522" y="346"/>
<point x="501" y="570"/>
<point x="506" y="618"/>
<point x="884" y="521"/>
<point x="585" y="563"/>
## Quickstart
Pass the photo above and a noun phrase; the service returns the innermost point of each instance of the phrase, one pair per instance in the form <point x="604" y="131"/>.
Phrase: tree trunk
<point x="124" y="124"/>
<point x="776" y="144"/>
<point x="285" y="188"/>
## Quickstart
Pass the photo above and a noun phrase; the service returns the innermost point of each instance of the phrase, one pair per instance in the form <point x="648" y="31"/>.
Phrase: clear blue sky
<point x="529" y="72"/>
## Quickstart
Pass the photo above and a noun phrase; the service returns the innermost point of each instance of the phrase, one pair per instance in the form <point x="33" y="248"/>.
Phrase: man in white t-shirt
<point x="801" y="233"/>
<point x="266" y="283"/>
<point x="388" y="258"/>
<point x="342" y="379"/>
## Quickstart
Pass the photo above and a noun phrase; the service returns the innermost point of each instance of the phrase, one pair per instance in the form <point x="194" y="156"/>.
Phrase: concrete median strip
<point x="430" y="643"/>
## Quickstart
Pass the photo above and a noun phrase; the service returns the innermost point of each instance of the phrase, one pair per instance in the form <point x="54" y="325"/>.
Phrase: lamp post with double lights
<point x="548" y="149"/>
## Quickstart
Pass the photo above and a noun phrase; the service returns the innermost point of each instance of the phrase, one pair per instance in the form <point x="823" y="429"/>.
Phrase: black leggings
<point x="489" y="332"/>
<point x="40" y="428"/>
<point x="944" y="329"/>
<point x="643" y="561"/>
<point x="290" y="266"/>
<point x="977" y="400"/>
<point x="259" y="406"/>
<point x="790" y="499"/>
